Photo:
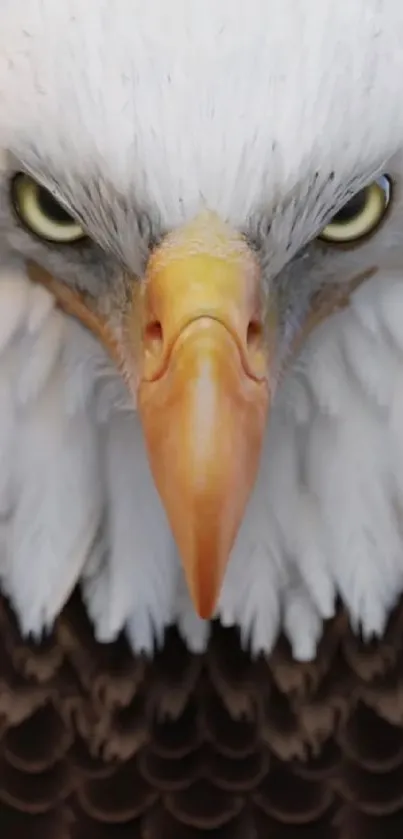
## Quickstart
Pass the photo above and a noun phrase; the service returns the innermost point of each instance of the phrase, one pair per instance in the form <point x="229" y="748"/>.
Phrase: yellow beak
<point x="203" y="392"/>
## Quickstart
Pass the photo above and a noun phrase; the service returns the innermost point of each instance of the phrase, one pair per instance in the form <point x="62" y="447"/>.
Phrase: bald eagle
<point x="201" y="447"/>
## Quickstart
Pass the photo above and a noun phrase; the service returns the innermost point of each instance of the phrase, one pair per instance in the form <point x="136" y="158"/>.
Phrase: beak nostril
<point x="153" y="337"/>
<point x="254" y="335"/>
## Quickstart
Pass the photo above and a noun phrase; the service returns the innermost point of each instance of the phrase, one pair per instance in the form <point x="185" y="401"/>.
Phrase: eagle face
<point x="198" y="189"/>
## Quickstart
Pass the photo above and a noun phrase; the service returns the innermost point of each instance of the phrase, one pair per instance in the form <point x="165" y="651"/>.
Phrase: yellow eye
<point x="41" y="213"/>
<point x="361" y="215"/>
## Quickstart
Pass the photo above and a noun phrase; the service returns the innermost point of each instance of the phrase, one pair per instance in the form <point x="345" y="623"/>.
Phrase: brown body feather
<point x="97" y="744"/>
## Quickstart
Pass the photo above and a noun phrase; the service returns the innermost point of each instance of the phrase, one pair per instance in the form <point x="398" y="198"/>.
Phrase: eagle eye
<point x="41" y="213"/>
<point x="361" y="216"/>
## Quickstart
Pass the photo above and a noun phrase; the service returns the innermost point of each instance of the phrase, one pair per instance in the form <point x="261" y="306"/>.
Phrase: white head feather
<point x="137" y="115"/>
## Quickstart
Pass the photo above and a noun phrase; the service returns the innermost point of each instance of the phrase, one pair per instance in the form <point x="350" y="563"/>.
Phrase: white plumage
<point x="324" y="518"/>
<point x="233" y="107"/>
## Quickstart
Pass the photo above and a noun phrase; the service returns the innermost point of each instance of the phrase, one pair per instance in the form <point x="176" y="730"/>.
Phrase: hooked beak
<point x="203" y="391"/>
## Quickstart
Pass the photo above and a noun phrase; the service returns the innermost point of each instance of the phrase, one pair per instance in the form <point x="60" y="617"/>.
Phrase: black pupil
<point x="51" y="208"/>
<point x="352" y="209"/>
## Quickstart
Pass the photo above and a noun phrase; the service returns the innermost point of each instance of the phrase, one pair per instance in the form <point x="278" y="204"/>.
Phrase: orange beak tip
<point x="203" y="422"/>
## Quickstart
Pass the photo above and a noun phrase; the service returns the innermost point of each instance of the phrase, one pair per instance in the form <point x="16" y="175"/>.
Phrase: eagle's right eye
<point x="41" y="213"/>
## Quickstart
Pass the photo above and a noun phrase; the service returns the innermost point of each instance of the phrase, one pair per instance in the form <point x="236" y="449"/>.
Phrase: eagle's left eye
<point x="41" y="213"/>
<point x="361" y="216"/>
